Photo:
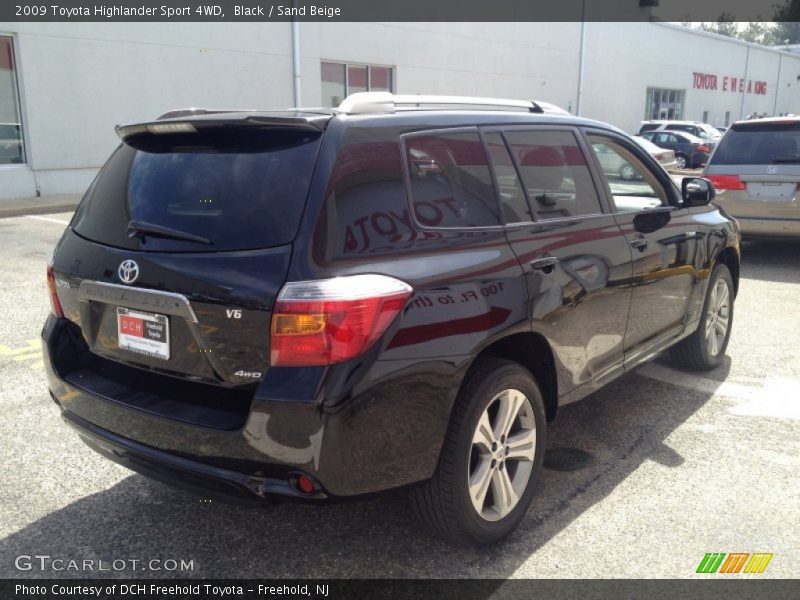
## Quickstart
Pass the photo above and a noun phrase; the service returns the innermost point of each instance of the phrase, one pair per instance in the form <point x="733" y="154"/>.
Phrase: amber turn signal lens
<point x="300" y="324"/>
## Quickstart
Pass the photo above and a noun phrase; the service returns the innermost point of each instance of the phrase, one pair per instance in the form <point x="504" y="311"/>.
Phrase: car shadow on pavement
<point x="623" y="426"/>
<point x="771" y="260"/>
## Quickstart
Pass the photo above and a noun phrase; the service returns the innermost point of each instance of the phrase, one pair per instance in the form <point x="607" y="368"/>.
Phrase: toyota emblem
<point x="128" y="271"/>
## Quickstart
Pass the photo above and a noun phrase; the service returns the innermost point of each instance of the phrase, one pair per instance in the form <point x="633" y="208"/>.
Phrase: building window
<point x="727" y="118"/>
<point x="705" y="116"/>
<point x="11" y="146"/>
<point x="339" y="80"/>
<point x="664" y="104"/>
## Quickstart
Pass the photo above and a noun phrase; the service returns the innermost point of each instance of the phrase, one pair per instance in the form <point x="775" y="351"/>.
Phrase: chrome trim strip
<point x="139" y="298"/>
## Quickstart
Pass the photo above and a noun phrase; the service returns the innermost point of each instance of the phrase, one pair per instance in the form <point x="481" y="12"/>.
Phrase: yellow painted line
<point x="30" y="346"/>
<point x="32" y="356"/>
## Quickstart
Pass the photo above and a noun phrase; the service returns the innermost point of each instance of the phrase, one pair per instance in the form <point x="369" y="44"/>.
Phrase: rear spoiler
<point x="193" y="120"/>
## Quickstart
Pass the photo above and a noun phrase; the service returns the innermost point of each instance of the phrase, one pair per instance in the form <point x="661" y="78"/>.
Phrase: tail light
<point x="661" y="156"/>
<point x="55" y="304"/>
<point x="703" y="148"/>
<point x="333" y="320"/>
<point x="726" y="182"/>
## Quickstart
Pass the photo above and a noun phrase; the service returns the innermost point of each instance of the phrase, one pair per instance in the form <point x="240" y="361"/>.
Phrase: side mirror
<point x="697" y="191"/>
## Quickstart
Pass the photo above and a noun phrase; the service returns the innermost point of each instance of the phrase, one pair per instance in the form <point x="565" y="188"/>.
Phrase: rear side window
<point x="238" y="190"/>
<point x="764" y="143"/>
<point x="450" y="183"/>
<point x="554" y="172"/>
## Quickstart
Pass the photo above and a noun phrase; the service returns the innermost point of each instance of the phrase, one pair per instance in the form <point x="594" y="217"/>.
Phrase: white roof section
<point x="386" y="103"/>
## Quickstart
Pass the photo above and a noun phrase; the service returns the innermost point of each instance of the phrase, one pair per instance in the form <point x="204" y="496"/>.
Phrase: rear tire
<point x="491" y="459"/>
<point x="699" y="351"/>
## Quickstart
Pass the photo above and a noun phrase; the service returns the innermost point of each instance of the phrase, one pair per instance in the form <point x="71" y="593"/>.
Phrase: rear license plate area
<point x="781" y="192"/>
<point x="143" y="333"/>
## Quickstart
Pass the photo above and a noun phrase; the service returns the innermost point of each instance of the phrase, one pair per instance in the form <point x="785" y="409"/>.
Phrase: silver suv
<point x="756" y="172"/>
<point x="696" y="128"/>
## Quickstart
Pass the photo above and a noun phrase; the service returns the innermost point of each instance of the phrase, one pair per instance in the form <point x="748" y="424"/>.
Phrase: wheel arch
<point x="729" y="257"/>
<point x="533" y="352"/>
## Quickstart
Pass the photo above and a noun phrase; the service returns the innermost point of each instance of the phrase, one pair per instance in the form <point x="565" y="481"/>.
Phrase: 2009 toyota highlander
<point x="401" y="291"/>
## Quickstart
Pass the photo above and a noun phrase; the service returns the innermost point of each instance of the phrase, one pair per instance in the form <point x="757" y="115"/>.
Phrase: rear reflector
<point x="726" y="182"/>
<point x="333" y="320"/>
<point x="55" y="304"/>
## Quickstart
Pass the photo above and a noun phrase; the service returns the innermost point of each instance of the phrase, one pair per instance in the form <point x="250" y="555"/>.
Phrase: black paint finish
<point x="597" y="293"/>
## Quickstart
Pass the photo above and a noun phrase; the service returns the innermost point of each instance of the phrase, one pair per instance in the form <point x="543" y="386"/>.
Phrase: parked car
<point x="616" y="166"/>
<point x="756" y="170"/>
<point x="664" y="156"/>
<point x="696" y="128"/>
<point x="400" y="292"/>
<point x="690" y="152"/>
<point x="10" y="143"/>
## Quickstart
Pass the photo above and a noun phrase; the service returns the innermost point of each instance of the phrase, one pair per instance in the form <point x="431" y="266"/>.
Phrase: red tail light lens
<point x="55" y="304"/>
<point x="703" y="148"/>
<point x="726" y="182"/>
<point x="333" y="320"/>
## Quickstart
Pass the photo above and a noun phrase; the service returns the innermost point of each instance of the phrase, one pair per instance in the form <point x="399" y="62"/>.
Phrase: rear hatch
<point x="180" y="246"/>
<point x="757" y="168"/>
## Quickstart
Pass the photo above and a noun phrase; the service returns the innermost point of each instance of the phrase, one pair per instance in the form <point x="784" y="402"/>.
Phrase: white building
<point x="63" y="86"/>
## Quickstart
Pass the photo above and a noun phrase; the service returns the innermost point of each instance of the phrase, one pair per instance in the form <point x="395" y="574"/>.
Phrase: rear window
<point x="763" y="143"/>
<point x="237" y="189"/>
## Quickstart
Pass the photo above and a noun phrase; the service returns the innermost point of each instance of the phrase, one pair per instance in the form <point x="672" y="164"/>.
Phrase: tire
<point x="698" y="352"/>
<point x="680" y="161"/>
<point x="445" y="503"/>
<point x="627" y="172"/>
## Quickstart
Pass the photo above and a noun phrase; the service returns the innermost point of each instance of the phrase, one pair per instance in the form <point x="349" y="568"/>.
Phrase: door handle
<point x="545" y="263"/>
<point x="639" y="243"/>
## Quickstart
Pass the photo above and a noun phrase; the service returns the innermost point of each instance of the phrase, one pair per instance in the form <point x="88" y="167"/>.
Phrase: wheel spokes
<point x="522" y="445"/>
<point x="510" y="403"/>
<point x="479" y="483"/>
<point x="505" y="498"/>
<point x="484" y="436"/>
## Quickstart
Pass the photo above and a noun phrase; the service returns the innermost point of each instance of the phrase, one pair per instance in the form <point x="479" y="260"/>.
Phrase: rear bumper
<point x="206" y="480"/>
<point x="769" y="228"/>
<point x="355" y="430"/>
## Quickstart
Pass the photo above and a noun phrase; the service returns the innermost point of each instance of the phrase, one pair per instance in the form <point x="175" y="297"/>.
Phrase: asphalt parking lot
<point x="682" y="465"/>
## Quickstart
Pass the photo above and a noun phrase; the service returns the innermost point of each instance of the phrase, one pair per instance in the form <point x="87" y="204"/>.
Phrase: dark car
<point x="690" y="152"/>
<point x="400" y="292"/>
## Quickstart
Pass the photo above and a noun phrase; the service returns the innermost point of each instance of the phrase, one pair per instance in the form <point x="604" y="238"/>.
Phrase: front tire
<point x="491" y="459"/>
<point x="705" y="348"/>
<point x="680" y="161"/>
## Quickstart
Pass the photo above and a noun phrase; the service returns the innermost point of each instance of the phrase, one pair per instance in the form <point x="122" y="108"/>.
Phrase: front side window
<point x="633" y="186"/>
<point x="450" y="183"/>
<point x="554" y="172"/>
<point x="339" y="80"/>
<point x="12" y="150"/>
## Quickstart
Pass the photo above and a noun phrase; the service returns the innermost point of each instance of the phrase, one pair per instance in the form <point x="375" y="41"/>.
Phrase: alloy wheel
<point x="501" y="456"/>
<point x="717" y="317"/>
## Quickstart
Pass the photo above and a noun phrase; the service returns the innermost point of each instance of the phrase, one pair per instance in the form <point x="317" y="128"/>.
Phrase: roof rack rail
<point x="386" y="102"/>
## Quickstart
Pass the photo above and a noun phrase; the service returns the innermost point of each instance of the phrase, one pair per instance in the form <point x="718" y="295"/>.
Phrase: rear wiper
<point x="142" y="229"/>
<point x="786" y="161"/>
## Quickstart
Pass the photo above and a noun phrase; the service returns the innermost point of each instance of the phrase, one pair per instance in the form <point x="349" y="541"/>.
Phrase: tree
<point x="787" y="26"/>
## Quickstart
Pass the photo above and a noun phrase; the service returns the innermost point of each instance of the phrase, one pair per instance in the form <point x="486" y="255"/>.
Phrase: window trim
<point x="23" y="120"/>
<point x="605" y="207"/>
<point x="412" y="214"/>
<point x="673" y="195"/>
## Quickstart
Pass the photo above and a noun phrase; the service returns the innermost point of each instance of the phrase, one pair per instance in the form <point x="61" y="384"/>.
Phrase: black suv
<point x="399" y="292"/>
